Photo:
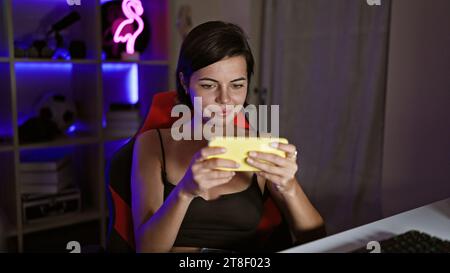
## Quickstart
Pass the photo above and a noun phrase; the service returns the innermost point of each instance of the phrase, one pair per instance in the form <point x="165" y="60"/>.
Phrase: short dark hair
<point x="206" y="44"/>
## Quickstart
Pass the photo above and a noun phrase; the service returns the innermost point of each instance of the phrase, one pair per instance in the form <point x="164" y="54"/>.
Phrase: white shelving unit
<point x="93" y="82"/>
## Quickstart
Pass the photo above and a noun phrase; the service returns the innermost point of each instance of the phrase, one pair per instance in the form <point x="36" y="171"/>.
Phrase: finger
<point x="272" y="158"/>
<point x="206" y="178"/>
<point x="219" y="182"/>
<point x="288" y="148"/>
<point x="214" y="163"/>
<point x="265" y="167"/>
<point x="275" y="179"/>
<point x="209" y="151"/>
<point x="218" y="175"/>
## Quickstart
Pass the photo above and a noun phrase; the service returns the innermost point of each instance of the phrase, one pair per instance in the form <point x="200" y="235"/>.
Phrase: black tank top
<point x="228" y="222"/>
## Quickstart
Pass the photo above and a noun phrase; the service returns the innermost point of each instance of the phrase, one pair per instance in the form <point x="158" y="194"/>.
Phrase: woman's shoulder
<point x="148" y="136"/>
<point x="147" y="141"/>
<point x="154" y="137"/>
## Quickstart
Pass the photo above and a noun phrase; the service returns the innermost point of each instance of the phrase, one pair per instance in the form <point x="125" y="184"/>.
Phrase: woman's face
<point x="220" y="84"/>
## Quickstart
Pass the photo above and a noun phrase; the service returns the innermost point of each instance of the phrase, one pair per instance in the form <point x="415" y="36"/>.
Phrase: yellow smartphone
<point x="237" y="149"/>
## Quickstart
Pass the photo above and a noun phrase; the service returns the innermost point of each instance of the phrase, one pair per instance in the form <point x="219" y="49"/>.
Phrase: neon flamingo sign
<point x="133" y="10"/>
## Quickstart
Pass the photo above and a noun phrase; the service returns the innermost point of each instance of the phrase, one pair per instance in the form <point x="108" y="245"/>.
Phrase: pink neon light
<point x="133" y="10"/>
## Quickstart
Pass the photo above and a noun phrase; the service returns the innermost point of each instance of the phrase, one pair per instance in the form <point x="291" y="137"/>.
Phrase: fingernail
<point x="233" y="173"/>
<point x="250" y="160"/>
<point x="237" y="165"/>
<point x="274" y="144"/>
<point x="252" y="154"/>
<point x="223" y="150"/>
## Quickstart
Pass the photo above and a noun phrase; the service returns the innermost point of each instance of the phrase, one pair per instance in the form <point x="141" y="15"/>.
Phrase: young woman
<point x="180" y="201"/>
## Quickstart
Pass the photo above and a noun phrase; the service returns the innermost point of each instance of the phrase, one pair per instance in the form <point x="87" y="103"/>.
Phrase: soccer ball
<point x="59" y="109"/>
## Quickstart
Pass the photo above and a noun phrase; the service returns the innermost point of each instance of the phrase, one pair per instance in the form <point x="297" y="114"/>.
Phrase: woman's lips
<point x="222" y="111"/>
<point x="225" y="112"/>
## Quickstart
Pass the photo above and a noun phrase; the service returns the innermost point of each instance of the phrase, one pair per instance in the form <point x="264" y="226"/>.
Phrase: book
<point x="44" y="189"/>
<point x="62" y="192"/>
<point x="41" y="207"/>
<point x="47" y="177"/>
<point x="43" y="162"/>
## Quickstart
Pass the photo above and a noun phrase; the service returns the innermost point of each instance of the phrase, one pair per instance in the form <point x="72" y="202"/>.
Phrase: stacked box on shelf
<point x="36" y="207"/>
<point x="47" y="186"/>
<point x="123" y="120"/>
<point x="45" y="174"/>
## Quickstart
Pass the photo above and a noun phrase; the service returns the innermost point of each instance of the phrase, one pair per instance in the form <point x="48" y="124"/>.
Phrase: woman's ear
<point x="183" y="83"/>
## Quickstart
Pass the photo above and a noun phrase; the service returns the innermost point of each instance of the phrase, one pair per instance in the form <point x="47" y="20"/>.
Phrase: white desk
<point x="433" y="219"/>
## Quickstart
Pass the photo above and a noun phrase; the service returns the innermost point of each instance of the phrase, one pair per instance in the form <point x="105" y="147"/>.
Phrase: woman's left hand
<point x="281" y="172"/>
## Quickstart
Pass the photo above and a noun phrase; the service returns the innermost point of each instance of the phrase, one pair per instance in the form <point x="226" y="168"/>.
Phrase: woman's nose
<point x="223" y="97"/>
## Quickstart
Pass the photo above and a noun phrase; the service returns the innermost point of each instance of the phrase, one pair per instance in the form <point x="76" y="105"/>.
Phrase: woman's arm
<point x="305" y="222"/>
<point x="156" y="223"/>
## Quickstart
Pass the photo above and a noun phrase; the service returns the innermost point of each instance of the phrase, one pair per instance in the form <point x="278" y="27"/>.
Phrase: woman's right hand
<point x="202" y="173"/>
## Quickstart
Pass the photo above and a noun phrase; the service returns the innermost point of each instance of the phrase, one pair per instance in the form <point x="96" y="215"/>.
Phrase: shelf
<point x="162" y="62"/>
<point x="86" y="61"/>
<point x="61" y="142"/>
<point x="62" y="220"/>
<point x="37" y="82"/>
<point x="6" y="148"/>
<point x="32" y="19"/>
<point x="58" y="221"/>
<point x="81" y="61"/>
<point x="114" y="138"/>
<point x="141" y="62"/>
<point x="91" y="85"/>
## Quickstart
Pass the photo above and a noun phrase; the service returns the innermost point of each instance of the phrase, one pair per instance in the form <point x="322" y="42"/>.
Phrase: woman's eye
<point x="207" y="86"/>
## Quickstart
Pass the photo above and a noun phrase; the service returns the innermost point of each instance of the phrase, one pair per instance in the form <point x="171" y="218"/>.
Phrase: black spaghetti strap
<point x="162" y="151"/>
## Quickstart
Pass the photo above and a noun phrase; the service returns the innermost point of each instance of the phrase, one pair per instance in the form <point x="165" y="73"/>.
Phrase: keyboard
<point x="412" y="241"/>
